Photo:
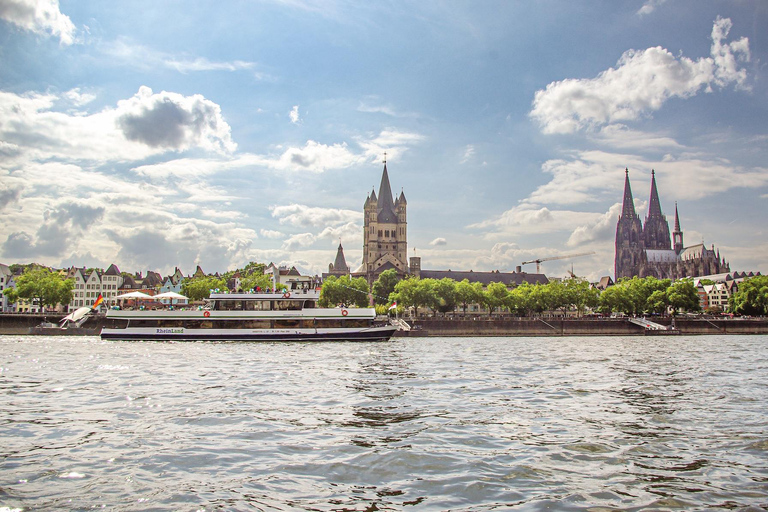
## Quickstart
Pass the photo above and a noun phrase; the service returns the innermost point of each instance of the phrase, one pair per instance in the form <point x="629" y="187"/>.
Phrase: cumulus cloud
<point x="60" y="230"/>
<point x="170" y="120"/>
<point x="601" y="229"/>
<point x="270" y="233"/>
<point x="298" y="241"/>
<point x="438" y="241"/>
<point x="303" y="216"/>
<point x="39" y="16"/>
<point x="640" y="83"/>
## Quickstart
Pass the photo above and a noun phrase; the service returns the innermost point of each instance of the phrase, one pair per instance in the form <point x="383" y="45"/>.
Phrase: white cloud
<point x="79" y="98"/>
<point x="39" y="16"/>
<point x="298" y="241"/>
<point x="601" y="229"/>
<point x="271" y="233"/>
<point x="649" y="6"/>
<point x="294" y="115"/>
<point x="141" y="126"/>
<point x="303" y="216"/>
<point x="469" y="152"/>
<point x="170" y="120"/>
<point x="438" y="241"/>
<point x="641" y="82"/>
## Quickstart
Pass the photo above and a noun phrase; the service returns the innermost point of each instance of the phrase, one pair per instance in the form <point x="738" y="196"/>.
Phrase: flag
<point x="99" y="300"/>
<point x="393" y="306"/>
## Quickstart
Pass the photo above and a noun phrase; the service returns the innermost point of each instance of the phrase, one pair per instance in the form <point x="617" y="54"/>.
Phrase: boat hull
<point x="383" y="333"/>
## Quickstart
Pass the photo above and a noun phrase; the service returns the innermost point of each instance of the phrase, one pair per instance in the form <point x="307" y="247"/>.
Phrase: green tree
<point x="468" y="293"/>
<point x="199" y="288"/>
<point x="256" y="281"/>
<point x="344" y="290"/>
<point x="445" y="292"/>
<point x="384" y="286"/>
<point x="658" y="301"/>
<point x="416" y="293"/>
<point x="520" y="299"/>
<point x="683" y="296"/>
<point x="751" y="298"/>
<point x="495" y="297"/>
<point x="42" y="287"/>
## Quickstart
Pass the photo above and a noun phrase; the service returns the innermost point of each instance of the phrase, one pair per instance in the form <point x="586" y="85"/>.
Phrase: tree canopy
<point x="751" y="297"/>
<point x="344" y="290"/>
<point x="41" y="286"/>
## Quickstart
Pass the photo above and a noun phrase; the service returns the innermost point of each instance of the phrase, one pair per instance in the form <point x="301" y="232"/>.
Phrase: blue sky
<point x="155" y="134"/>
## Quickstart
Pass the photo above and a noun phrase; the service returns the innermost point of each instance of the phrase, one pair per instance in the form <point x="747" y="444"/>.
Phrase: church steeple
<point x="628" y="207"/>
<point x="677" y="233"/>
<point x="386" y="211"/>
<point x="629" y="234"/>
<point x="339" y="266"/>
<point x="656" y="229"/>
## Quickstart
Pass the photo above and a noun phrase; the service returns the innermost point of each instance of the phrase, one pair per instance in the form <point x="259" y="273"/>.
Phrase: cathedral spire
<point x="628" y="207"/>
<point x="654" y="206"/>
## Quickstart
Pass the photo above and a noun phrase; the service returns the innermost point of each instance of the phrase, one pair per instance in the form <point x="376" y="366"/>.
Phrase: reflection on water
<point x="606" y="423"/>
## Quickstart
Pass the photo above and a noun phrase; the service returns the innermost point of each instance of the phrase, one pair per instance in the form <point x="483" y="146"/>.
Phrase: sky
<point x="159" y="134"/>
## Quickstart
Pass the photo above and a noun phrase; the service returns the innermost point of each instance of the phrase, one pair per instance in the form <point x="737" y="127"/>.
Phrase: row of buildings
<point x="110" y="283"/>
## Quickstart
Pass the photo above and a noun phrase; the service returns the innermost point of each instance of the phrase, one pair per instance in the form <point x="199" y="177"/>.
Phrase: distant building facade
<point x="648" y="250"/>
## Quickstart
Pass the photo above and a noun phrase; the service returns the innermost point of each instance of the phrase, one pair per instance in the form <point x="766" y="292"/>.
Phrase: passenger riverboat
<point x="289" y="316"/>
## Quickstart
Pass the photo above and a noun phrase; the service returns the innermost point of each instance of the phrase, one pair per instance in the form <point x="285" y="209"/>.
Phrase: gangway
<point x="650" y="326"/>
<point x="400" y="324"/>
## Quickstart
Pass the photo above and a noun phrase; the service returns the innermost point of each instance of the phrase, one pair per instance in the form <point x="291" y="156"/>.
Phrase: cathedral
<point x="647" y="250"/>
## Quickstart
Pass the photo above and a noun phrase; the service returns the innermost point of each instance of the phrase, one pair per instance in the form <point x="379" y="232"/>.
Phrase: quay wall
<point x="580" y="327"/>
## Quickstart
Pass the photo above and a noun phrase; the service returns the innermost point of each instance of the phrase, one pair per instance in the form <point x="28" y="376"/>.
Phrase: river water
<point x="598" y="423"/>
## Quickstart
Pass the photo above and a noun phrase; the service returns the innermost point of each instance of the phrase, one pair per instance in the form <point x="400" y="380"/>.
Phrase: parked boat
<point x="290" y="316"/>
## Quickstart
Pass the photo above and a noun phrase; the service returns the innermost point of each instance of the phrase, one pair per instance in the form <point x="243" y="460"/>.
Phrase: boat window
<point x="229" y="305"/>
<point x="287" y="324"/>
<point x="116" y="323"/>
<point x="288" y="305"/>
<point x="257" y="305"/>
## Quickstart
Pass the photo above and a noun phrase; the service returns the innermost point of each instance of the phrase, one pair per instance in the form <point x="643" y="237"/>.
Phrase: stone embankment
<point x="25" y="323"/>
<point x="582" y="327"/>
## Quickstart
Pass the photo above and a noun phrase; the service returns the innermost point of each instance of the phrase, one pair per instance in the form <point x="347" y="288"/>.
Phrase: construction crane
<point x="567" y="256"/>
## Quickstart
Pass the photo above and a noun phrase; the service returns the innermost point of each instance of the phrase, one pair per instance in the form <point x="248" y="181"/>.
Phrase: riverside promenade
<point x="484" y="326"/>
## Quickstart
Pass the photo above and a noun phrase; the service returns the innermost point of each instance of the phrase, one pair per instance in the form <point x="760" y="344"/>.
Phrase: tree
<point x="199" y="288"/>
<point x="751" y="297"/>
<point x="416" y="293"/>
<point x="445" y="292"/>
<point x="256" y="281"/>
<point x="495" y="296"/>
<point x="42" y="287"/>
<point x="343" y="290"/>
<point x="384" y="286"/>
<point x="468" y="293"/>
<point x="683" y="295"/>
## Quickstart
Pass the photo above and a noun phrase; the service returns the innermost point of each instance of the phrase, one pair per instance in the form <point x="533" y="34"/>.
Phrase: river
<point x="594" y="423"/>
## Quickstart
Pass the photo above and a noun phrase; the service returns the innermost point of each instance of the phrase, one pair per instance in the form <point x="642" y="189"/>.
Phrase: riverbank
<point x="583" y="327"/>
<point x="26" y="323"/>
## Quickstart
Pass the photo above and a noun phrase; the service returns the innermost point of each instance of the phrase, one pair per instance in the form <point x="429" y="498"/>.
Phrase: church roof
<point x="386" y="207"/>
<point x="661" y="255"/>
<point x="340" y="263"/>
<point x="485" y="278"/>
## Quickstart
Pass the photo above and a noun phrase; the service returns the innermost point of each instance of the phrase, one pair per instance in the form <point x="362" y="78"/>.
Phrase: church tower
<point x="677" y="234"/>
<point x="385" y="235"/>
<point x="656" y="230"/>
<point x="339" y="266"/>
<point x="629" y="236"/>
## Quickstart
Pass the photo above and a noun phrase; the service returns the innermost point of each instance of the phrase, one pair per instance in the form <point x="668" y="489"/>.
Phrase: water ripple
<point x="592" y="424"/>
